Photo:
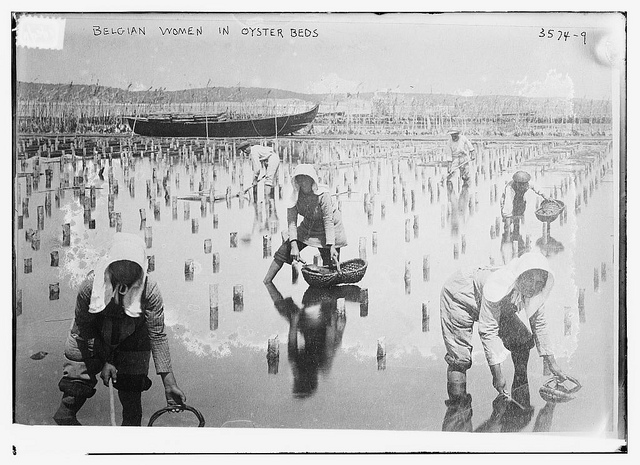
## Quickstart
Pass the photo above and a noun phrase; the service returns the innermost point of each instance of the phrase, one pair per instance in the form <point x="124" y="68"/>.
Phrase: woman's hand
<point x="108" y="372"/>
<point x="174" y="395"/>
<point x="555" y="369"/>
<point x="172" y="392"/>
<point x="334" y="256"/>
<point x="295" y="252"/>
<point x="499" y="381"/>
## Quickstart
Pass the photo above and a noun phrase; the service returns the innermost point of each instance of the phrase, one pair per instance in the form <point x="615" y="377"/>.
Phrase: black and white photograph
<point x="314" y="232"/>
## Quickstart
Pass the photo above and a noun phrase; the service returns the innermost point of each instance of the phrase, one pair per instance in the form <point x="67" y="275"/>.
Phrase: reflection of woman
<point x="459" y="204"/>
<point x="321" y="226"/>
<point x="506" y="416"/>
<point x="315" y="332"/>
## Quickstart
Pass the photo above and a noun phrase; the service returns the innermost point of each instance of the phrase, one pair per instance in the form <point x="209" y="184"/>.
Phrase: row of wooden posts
<point x="54" y="289"/>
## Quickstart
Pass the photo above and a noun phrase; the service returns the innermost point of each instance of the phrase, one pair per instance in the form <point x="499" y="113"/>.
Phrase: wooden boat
<point x="218" y="126"/>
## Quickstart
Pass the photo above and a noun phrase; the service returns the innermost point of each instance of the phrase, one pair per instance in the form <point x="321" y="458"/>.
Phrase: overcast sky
<point x="466" y="54"/>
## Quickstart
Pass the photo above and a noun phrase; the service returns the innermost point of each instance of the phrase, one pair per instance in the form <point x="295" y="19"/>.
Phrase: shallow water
<point x="338" y="382"/>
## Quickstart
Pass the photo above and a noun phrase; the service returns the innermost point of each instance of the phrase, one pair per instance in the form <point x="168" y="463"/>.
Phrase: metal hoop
<point x="171" y="408"/>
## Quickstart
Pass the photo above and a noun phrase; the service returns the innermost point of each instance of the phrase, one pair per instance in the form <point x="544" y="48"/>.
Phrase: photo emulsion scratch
<point x="405" y="224"/>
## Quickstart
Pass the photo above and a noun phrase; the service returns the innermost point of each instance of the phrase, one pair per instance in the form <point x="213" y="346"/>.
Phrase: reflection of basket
<point x="171" y="408"/>
<point x="549" y="210"/>
<point x="555" y="392"/>
<point x="351" y="271"/>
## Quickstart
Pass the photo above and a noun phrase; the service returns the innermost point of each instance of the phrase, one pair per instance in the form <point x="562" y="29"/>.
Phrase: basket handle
<point x="173" y="408"/>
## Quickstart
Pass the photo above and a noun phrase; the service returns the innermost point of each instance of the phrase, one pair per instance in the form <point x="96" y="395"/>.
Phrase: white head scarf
<point x="502" y="281"/>
<point x="307" y="170"/>
<point x="125" y="246"/>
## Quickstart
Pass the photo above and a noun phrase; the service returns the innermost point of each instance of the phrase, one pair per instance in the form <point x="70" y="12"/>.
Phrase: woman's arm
<point x="494" y="350"/>
<point x="154" y="314"/>
<point x="292" y="222"/>
<point x="160" y="345"/>
<point x="326" y="206"/>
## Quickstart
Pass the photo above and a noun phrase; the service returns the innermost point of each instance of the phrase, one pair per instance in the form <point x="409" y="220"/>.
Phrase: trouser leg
<point x="325" y="254"/>
<point x="78" y="380"/>
<point x="131" y="408"/>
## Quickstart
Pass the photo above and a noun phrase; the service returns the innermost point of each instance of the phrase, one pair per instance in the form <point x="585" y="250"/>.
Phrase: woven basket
<point x="549" y="210"/>
<point x="351" y="271"/>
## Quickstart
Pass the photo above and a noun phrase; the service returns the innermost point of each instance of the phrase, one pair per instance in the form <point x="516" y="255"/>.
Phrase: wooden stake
<point x="364" y="302"/>
<point x="213" y="306"/>
<point x="425" y="317"/>
<point x="238" y="300"/>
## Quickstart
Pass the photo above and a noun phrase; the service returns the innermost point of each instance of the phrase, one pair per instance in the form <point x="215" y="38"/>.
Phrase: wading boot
<point x="69" y="407"/>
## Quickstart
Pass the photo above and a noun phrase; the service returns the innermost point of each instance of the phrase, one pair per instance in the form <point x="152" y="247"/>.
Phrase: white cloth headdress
<point x="125" y="247"/>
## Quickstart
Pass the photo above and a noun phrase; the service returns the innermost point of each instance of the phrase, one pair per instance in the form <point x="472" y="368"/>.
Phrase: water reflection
<point x="458" y="204"/>
<point x="512" y="245"/>
<point x="315" y="332"/>
<point x="507" y="416"/>
<point x="549" y="246"/>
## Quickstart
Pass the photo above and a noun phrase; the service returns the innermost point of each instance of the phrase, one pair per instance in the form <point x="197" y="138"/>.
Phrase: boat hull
<point x="260" y="127"/>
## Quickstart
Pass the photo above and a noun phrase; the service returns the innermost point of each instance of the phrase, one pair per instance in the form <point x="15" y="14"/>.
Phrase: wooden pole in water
<point x="381" y="354"/>
<point x="596" y="279"/>
<point x="238" y="301"/>
<point x="581" y="311"/>
<point x="151" y="263"/>
<point x="266" y="246"/>
<point x="40" y="218"/>
<point x="213" y="306"/>
<point x="188" y="269"/>
<point x="66" y="235"/>
<point x="407" y="277"/>
<point x="374" y="242"/>
<point x="407" y="230"/>
<point x="148" y="236"/>
<point x="54" y="291"/>
<point x="273" y="355"/>
<point x="362" y="248"/>
<point x="187" y="211"/>
<point x="233" y="239"/>
<point x="364" y="302"/>
<point x="215" y="260"/>
<point x="425" y="317"/>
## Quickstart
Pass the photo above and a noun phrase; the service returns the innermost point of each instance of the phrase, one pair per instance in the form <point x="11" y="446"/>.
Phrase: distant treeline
<point x="63" y="108"/>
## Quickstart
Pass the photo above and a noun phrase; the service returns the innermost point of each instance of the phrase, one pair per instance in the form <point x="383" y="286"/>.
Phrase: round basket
<point x="180" y="408"/>
<point x="549" y="210"/>
<point x="351" y="271"/>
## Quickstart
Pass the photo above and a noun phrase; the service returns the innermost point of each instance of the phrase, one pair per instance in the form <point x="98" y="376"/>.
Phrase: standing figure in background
<point x="321" y="224"/>
<point x="462" y="151"/>
<point x="264" y="163"/>
<point x="513" y="203"/>
<point x="508" y="304"/>
<point x="118" y="325"/>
